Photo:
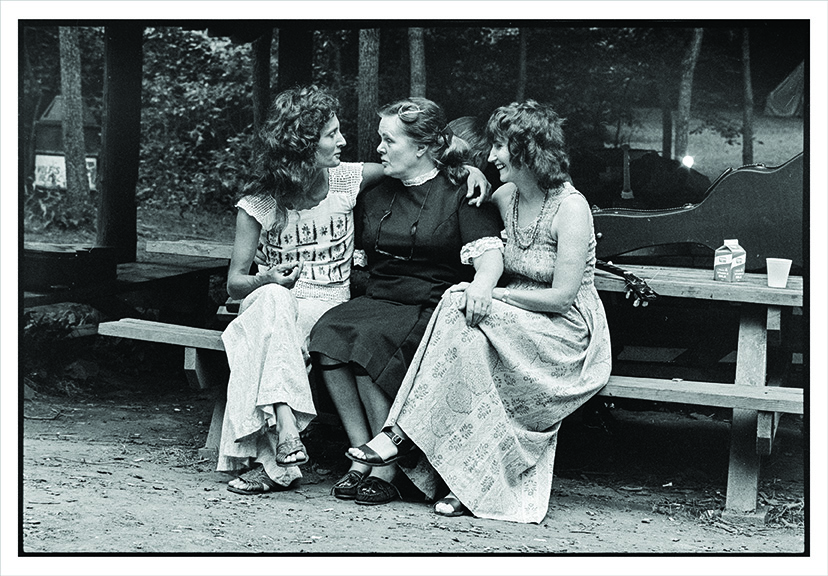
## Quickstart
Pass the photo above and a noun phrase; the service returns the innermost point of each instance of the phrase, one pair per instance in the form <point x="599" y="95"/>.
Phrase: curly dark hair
<point x="534" y="134"/>
<point x="285" y="156"/>
<point x="428" y="127"/>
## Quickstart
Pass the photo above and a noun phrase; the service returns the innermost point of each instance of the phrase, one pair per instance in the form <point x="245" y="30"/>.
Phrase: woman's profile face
<point x="398" y="152"/>
<point x="502" y="160"/>
<point x="331" y="142"/>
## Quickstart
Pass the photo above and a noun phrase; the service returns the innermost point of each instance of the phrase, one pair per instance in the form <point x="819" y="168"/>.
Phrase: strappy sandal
<point x="373" y="491"/>
<point x="457" y="508"/>
<point x="346" y="487"/>
<point x="258" y="481"/>
<point x="290" y="446"/>
<point x="404" y="446"/>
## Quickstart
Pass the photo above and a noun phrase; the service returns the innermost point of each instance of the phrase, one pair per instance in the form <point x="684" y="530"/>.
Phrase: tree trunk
<point x="295" y="57"/>
<point x="120" y="139"/>
<point x="416" y="47"/>
<point x="666" y="121"/>
<point x="688" y="66"/>
<point x="368" y="90"/>
<point x="261" y="78"/>
<point x="521" y="83"/>
<point x="26" y="127"/>
<point x="747" y="123"/>
<point x="74" y="150"/>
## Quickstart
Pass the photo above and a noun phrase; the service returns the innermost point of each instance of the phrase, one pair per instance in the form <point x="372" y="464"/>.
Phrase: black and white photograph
<point x="413" y="287"/>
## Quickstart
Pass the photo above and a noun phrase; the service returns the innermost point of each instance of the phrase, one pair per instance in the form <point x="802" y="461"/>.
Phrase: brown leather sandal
<point x="258" y="482"/>
<point x="290" y="446"/>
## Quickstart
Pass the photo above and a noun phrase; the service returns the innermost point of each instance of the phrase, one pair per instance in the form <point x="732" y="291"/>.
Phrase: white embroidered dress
<point x="267" y="343"/>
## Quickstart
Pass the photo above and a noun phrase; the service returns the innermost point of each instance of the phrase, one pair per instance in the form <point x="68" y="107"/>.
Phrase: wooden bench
<point x="152" y="282"/>
<point x="755" y="397"/>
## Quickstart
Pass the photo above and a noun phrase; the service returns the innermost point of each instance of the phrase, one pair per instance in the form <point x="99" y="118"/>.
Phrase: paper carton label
<point x="729" y="262"/>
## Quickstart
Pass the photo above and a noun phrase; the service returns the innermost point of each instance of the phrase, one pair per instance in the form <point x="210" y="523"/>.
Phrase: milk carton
<point x="729" y="262"/>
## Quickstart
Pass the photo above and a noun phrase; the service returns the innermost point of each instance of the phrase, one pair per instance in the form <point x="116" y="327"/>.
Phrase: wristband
<point x="505" y="295"/>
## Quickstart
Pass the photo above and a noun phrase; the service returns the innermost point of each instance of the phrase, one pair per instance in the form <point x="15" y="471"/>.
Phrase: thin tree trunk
<point x="666" y="121"/>
<point x="521" y="83"/>
<point x="368" y="90"/>
<point x="261" y="78"/>
<point x="120" y="139"/>
<point x="688" y="67"/>
<point x="747" y="122"/>
<point x="74" y="151"/>
<point x="26" y="127"/>
<point x="416" y="48"/>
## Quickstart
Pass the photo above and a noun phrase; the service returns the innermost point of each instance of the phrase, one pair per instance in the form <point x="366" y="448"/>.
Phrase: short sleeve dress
<point x="413" y="237"/>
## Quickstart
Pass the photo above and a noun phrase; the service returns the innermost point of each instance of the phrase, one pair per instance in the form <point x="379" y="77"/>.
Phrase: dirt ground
<point x="119" y="472"/>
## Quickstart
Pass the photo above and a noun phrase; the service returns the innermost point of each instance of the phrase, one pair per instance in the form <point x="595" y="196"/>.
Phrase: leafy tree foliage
<point x="197" y="103"/>
<point x="196" y="119"/>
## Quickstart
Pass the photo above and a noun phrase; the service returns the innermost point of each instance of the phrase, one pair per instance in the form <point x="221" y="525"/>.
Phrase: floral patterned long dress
<point x="485" y="404"/>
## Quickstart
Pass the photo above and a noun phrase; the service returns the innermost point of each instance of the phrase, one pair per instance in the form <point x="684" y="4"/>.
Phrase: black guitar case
<point x="760" y="206"/>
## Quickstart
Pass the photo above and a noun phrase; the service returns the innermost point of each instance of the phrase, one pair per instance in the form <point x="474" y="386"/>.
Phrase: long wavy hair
<point x="428" y="127"/>
<point x="285" y="156"/>
<point x="534" y="134"/>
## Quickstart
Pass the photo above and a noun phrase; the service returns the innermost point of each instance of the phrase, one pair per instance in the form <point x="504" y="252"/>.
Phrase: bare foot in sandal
<point x="290" y="451"/>
<point x="255" y="481"/>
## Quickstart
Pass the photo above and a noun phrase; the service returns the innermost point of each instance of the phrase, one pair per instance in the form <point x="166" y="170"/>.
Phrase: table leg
<point x="743" y="470"/>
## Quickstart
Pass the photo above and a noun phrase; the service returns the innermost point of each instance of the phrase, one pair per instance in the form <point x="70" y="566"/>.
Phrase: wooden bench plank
<point x="161" y="332"/>
<point x="763" y="398"/>
<point x="190" y="248"/>
<point x="699" y="283"/>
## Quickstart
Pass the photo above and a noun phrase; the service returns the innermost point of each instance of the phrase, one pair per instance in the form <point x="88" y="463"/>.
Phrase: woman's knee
<point x="273" y="296"/>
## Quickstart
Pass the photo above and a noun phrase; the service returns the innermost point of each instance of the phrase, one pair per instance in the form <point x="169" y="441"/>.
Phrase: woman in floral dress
<point x="484" y="403"/>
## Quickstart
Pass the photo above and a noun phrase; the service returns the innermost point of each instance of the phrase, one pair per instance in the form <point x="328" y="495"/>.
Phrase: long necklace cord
<point x="515" y="231"/>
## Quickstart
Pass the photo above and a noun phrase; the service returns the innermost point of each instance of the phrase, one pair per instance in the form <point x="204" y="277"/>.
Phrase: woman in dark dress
<point x="421" y="237"/>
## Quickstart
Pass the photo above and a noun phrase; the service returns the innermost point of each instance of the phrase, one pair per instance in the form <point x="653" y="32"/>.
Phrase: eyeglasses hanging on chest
<point x="412" y="230"/>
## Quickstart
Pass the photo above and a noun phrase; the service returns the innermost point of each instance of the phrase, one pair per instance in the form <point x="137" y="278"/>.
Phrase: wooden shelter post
<point x="120" y="140"/>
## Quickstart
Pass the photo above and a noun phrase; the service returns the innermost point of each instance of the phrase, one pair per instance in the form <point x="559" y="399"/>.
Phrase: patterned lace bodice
<point x="535" y="265"/>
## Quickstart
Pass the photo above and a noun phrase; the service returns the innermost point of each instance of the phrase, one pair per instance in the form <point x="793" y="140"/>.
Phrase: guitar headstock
<point x="639" y="289"/>
<point x="634" y="286"/>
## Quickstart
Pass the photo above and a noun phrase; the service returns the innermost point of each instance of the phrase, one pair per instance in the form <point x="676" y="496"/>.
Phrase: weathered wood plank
<point x="191" y="248"/>
<point x="699" y="283"/>
<point x="788" y="400"/>
<point x="751" y="365"/>
<point x="774" y="325"/>
<point x="163" y="333"/>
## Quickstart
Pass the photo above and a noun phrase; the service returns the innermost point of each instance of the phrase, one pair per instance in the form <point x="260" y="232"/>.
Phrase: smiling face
<point x="502" y="160"/>
<point x="331" y="142"/>
<point x="401" y="156"/>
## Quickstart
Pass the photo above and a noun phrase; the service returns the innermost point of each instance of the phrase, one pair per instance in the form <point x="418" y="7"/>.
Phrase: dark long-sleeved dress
<point x="379" y="332"/>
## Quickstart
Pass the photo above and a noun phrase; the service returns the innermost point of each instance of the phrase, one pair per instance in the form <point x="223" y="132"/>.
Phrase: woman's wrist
<point x="501" y="294"/>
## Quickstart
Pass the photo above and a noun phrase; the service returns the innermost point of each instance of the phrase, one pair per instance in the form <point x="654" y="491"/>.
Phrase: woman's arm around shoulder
<point x="372" y="175"/>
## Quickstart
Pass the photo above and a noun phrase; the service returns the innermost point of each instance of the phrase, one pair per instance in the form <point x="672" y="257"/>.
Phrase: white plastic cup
<point x="778" y="269"/>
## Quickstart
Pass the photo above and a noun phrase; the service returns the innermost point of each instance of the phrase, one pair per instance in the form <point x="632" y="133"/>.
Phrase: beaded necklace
<point x="516" y="234"/>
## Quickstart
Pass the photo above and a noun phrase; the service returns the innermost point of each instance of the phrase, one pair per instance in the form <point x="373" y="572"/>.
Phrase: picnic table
<point x="755" y="397"/>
